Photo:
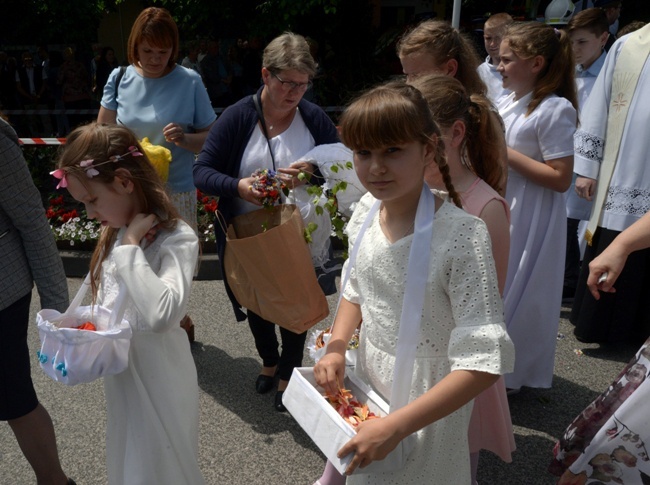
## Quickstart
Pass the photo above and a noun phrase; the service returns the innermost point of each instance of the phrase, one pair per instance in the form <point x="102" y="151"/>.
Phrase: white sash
<point x="415" y="292"/>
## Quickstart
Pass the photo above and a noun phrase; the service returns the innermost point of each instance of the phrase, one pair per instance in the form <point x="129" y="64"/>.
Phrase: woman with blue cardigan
<point x="270" y="129"/>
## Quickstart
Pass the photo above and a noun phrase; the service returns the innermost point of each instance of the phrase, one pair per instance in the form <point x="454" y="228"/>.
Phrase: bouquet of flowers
<point x="269" y="184"/>
<point x="206" y="207"/>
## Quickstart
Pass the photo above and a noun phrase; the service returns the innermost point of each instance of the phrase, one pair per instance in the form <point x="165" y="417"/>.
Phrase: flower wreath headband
<point x="89" y="166"/>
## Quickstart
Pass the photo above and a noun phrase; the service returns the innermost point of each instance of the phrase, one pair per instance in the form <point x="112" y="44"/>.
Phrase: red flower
<point x="211" y="206"/>
<point x="69" y="215"/>
<point x="57" y="201"/>
<point x="50" y="214"/>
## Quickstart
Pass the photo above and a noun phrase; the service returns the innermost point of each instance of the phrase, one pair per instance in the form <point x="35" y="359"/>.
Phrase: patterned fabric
<point x="627" y="201"/>
<point x="608" y="441"/>
<point x="28" y="252"/>
<point x="185" y="203"/>
<point x="588" y="146"/>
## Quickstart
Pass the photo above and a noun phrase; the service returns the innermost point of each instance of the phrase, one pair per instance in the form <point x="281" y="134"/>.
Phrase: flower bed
<point x="74" y="231"/>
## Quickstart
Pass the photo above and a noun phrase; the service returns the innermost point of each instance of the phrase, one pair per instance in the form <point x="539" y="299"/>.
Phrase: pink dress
<point x="490" y="427"/>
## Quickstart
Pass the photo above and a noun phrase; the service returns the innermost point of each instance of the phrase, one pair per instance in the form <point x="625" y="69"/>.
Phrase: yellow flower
<point x="159" y="156"/>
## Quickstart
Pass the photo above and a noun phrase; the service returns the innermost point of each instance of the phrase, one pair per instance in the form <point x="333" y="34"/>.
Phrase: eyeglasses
<point x="290" y="85"/>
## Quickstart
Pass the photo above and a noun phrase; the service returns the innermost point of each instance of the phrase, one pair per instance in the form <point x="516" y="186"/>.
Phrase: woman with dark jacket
<point x="28" y="254"/>
<point x="242" y="141"/>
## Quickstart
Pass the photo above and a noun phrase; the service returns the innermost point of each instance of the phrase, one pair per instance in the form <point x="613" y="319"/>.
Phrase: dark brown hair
<point x="593" y="20"/>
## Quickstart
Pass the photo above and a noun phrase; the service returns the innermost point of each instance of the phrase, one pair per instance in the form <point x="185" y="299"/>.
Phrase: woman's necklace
<point x="382" y="222"/>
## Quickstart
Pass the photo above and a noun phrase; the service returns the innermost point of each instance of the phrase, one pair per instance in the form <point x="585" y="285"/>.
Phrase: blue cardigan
<point x="216" y="170"/>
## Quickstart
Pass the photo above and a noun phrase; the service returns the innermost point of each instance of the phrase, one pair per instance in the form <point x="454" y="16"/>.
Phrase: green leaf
<point x="319" y="210"/>
<point x="316" y="190"/>
<point x="349" y="165"/>
<point x="334" y="169"/>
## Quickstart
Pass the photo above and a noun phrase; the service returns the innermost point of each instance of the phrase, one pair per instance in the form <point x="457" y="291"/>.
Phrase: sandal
<point x="188" y="326"/>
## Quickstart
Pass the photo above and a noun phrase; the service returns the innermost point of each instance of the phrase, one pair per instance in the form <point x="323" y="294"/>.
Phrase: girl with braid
<point x="472" y="152"/>
<point x="461" y="346"/>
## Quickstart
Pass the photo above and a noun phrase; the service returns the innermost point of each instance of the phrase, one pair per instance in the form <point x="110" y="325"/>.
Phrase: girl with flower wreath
<point x="153" y="406"/>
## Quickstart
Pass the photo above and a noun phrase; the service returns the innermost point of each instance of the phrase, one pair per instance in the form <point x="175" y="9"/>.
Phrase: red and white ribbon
<point x="41" y="141"/>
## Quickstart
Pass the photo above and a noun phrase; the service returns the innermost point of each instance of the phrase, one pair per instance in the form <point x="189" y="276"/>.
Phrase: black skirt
<point x="623" y="316"/>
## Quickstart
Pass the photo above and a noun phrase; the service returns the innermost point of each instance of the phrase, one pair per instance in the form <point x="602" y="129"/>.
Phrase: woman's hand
<point x="329" y="372"/>
<point x="247" y="192"/>
<point x="585" y="187"/>
<point x="142" y="226"/>
<point x="291" y="173"/>
<point x="610" y="263"/>
<point x="174" y="133"/>
<point x="374" y="440"/>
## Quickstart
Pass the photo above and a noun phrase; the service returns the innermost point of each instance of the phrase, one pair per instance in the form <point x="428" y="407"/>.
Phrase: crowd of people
<point x="62" y="80"/>
<point x="481" y="182"/>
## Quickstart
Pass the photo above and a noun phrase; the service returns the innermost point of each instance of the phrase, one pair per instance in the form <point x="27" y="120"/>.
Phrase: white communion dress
<point x="153" y="406"/>
<point x="533" y="292"/>
<point x="462" y="328"/>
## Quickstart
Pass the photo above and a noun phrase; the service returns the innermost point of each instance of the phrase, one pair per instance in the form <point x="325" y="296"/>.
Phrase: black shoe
<point x="71" y="482"/>
<point x="278" y="402"/>
<point x="264" y="384"/>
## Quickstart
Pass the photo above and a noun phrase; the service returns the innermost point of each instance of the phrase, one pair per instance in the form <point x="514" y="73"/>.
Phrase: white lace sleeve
<point x="480" y="340"/>
<point x="589" y="140"/>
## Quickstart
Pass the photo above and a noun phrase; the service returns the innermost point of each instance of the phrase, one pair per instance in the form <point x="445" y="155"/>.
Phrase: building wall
<point x="115" y="28"/>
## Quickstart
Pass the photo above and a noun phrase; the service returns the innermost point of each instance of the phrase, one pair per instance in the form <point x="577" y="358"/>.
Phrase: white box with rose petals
<point x="326" y="427"/>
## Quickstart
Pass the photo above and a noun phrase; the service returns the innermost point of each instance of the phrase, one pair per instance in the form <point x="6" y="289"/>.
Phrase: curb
<point x="76" y="264"/>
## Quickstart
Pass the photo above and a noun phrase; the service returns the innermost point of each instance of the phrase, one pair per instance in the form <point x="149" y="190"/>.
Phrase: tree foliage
<point x="34" y="22"/>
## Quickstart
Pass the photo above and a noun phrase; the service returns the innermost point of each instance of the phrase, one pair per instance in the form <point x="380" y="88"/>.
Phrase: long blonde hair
<point x="393" y="114"/>
<point x="530" y="39"/>
<point x="99" y="142"/>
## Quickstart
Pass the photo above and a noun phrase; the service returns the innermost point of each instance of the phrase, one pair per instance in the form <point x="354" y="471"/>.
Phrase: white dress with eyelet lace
<point x="153" y="406"/>
<point x="462" y="329"/>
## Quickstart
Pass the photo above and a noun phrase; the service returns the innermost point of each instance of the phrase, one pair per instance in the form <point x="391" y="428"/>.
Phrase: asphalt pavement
<point x="243" y="440"/>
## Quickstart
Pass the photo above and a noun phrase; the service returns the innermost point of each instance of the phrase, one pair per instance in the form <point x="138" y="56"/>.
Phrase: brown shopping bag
<point x="270" y="271"/>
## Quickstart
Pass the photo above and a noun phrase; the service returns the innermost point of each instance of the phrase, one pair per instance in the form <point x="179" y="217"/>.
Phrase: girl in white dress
<point x="462" y="343"/>
<point x="540" y="119"/>
<point x="152" y="407"/>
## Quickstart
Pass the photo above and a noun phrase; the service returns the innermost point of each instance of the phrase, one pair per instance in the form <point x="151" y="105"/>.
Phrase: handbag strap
<point x="260" y="114"/>
<point x="414" y="294"/>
